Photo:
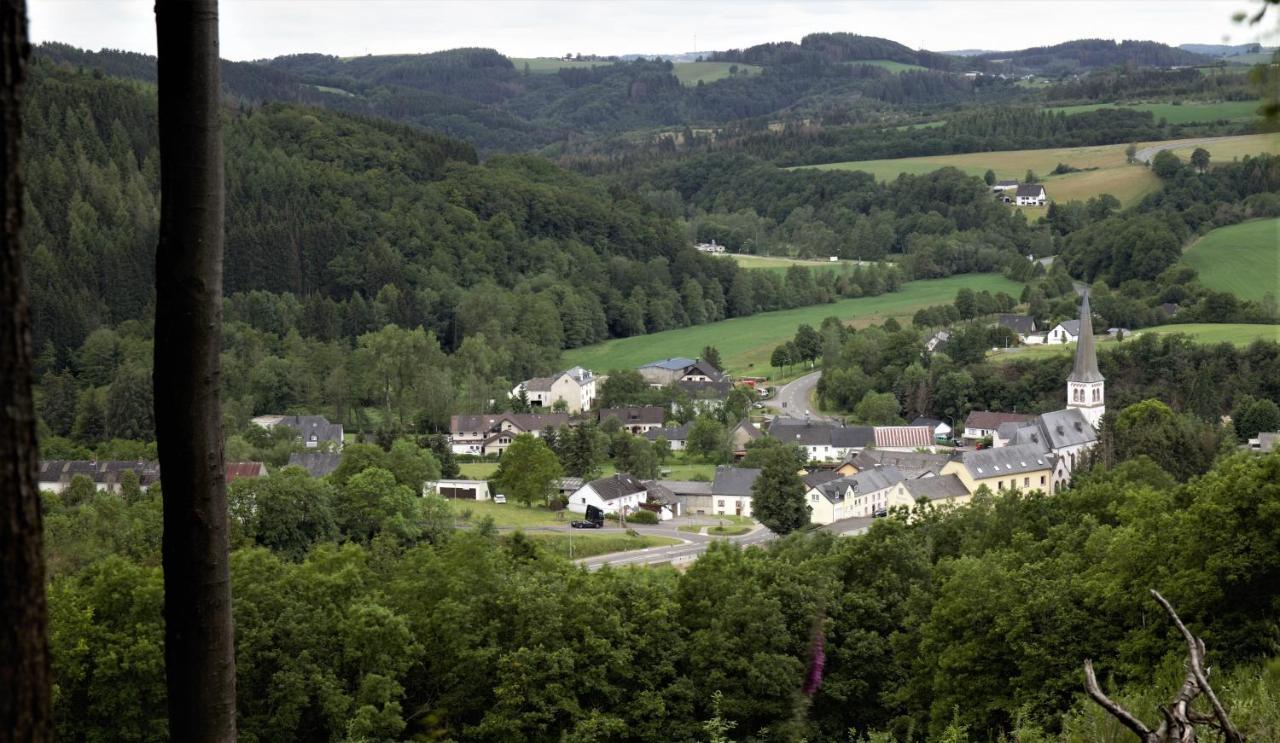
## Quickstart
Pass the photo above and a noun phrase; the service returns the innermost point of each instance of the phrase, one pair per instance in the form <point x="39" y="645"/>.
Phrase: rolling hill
<point x="1243" y="259"/>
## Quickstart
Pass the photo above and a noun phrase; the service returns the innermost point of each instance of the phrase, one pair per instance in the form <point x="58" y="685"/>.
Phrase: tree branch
<point x="1120" y="713"/>
<point x="1195" y="649"/>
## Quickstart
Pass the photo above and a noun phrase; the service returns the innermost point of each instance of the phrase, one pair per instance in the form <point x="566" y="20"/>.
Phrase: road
<point x="796" y="397"/>
<point x="1145" y="154"/>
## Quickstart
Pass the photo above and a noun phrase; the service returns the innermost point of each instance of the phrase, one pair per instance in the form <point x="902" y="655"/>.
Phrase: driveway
<point x="795" y="397"/>
<point x="1145" y="154"/>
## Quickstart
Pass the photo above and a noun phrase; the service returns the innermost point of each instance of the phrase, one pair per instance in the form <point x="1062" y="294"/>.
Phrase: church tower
<point x="1085" y="385"/>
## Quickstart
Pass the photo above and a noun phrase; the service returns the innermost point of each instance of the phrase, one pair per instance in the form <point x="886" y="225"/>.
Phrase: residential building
<point x="1067" y="331"/>
<point x="711" y="247"/>
<point x="1022" y="467"/>
<point x="634" y="420"/>
<point x="677" y="437"/>
<point x="911" y="464"/>
<point x="1264" y="443"/>
<point x="575" y="387"/>
<point x="821" y="441"/>
<point x="741" y="435"/>
<point x="866" y="493"/>
<point x="492" y="433"/>
<point x="1003" y="186"/>
<point x="316" y="463"/>
<point x="937" y="341"/>
<point x="936" y="490"/>
<point x="315" y="431"/>
<point x="983" y="423"/>
<point x="694" y="496"/>
<point x="731" y="490"/>
<point x="670" y="371"/>
<point x="941" y="431"/>
<point x="620" y="493"/>
<point x="1030" y="194"/>
<point x="459" y="489"/>
<point x="1021" y="325"/>
<point x="662" y="501"/>
<point x="55" y="475"/>
<point x="240" y="470"/>
<point x="704" y="397"/>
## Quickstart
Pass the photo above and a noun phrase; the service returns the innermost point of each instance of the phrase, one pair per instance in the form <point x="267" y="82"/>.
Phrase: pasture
<point x="692" y="73"/>
<point x="745" y="343"/>
<point x="1237" y="334"/>
<point x="1243" y="259"/>
<point x="549" y="66"/>
<point x="1181" y="113"/>
<point x="1104" y="169"/>
<point x="887" y="64"/>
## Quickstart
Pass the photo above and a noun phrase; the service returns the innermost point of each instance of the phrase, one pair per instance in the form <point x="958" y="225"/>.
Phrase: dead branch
<point x="1195" y="651"/>
<point x="1118" y="712"/>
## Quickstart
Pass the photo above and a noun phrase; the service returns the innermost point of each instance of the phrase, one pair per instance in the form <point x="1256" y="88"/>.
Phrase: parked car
<point x="499" y="498"/>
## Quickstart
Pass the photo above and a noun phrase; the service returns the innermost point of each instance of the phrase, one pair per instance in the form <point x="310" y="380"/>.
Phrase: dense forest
<point x="951" y="625"/>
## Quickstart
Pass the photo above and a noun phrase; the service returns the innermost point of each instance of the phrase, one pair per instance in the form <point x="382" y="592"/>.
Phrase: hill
<point x="1087" y="54"/>
<point x="1243" y="259"/>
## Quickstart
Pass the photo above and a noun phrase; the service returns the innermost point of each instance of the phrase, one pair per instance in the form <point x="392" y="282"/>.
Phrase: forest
<point x="942" y="625"/>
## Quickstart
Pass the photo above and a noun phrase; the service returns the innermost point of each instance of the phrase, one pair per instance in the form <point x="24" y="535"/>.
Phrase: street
<point x="796" y="397"/>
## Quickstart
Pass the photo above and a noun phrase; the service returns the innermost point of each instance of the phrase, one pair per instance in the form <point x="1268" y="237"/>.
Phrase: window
<point x="814" y="497"/>
<point x="720" y="504"/>
<point x="999" y="484"/>
<point x="1042" y="479"/>
<point x="1026" y="482"/>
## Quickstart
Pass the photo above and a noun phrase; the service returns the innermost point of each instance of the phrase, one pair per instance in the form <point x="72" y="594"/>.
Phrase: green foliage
<point x="527" y="470"/>
<point x="1179" y="444"/>
<point x="288" y="511"/>
<point x="709" y="440"/>
<point x="777" y="496"/>
<point x="642" y="517"/>
<point x="372" y="503"/>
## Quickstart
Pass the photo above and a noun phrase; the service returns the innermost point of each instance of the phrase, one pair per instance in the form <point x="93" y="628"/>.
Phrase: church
<point x="1067" y="435"/>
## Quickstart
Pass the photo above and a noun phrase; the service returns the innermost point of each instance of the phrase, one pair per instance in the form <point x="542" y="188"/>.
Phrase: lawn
<point x="1237" y="334"/>
<point x="888" y="64"/>
<point x="549" y="66"/>
<point x="590" y="545"/>
<point x="477" y="470"/>
<point x="692" y="73"/>
<point x="745" y="343"/>
<point x="1111" y="173"/>
<point x="728" y="531"/>
<point x="509" y="515"/>
<point x="1243" y="259"/>
<point x="777" y="261"/>
<point x="1184" y="113"/>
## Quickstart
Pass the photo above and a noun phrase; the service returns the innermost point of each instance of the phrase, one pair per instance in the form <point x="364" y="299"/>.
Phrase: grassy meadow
<point x="887" y="64"/>
<point x="1243" y="259"/>
<point x="549" y="66"/>
<point x="1183" y="113"/>
<point x="745" y="343"/>
<point x="692" y="73"/>
<point x="1110" y="173"/>
<point x="1237" y="334"/>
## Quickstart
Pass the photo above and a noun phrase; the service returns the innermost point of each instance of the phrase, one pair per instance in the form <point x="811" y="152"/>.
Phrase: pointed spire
<point x="1086" y="367"/>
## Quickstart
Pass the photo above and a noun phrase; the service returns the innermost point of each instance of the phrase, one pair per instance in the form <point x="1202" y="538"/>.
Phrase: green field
<point x="549" y="66"/>
<point x="477" y="470"/>
<point x="745" y="343"/>
<point x="1108" y="171"/>
<point x="1243" y="259"/>
<point x="692" y="73"/>
<point x="888" y="64"/>
<point x="508" y="515"/>
<point x="1237" y="334"/>
<point x="590" y="545"/>
<point x="1185" y="113"/>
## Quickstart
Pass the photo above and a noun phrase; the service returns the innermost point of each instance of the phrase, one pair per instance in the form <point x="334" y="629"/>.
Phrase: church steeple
<point x="1085" y="385"/>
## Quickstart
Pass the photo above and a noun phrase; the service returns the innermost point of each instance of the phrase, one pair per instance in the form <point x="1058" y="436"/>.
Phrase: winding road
<point x="795" y="397"/>
<point x="1145" y="154"/>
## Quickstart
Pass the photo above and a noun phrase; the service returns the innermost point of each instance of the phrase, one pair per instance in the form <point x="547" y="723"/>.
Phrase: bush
<point x="643" y="517"/>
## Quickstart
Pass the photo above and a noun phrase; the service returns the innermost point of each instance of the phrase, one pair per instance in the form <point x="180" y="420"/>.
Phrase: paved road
<point x="1145" y="154"/>
<point x="796" y="397"/>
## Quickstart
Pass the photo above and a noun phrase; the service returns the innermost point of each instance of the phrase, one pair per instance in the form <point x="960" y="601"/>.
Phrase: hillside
<point x="1085" y="54"/>
<point x="1243" y="259"/>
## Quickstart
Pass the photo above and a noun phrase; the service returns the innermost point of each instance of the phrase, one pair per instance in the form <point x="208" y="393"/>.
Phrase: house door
<point x="737" y="508"/>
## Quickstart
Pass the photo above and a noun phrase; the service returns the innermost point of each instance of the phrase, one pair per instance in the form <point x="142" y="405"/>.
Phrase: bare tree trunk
<point x="199" y="641"/>
<point x="24" y="648"/>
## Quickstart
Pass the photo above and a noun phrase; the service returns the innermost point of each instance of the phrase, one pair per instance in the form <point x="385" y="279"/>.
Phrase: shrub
<point x="643" y="517"/>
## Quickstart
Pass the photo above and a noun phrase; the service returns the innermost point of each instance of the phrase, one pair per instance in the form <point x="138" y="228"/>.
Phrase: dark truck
<point x="594" y="519"/>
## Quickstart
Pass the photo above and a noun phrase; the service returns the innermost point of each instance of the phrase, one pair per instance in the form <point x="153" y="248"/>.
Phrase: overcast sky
<point x="253" y="29"/>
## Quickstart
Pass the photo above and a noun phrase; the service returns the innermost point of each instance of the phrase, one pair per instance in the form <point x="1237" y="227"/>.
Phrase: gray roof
<point x="734" y="480"/>
<point x="1086" y="366"/>
<point x="679" y="433"/>
<point x="659" y="492"/>
<point x="1053" y="431"/>
<point x="1071" y="326"/>
<point x="1030" y="190"/>
<point x="911" y="464"/>
<point x="1267" y="440"/>
<point x="987" y="420"/>
<point x="102" y="472"/>
<point x="809" y="433"/>
<point x="818" y="477"/>
<point x="936" y="488"/>
<point x="568" y="484"/>
<point x="1022" y="324"/>
<point x="616" y="486"/>
<point x="633" y="416"/>
<point x="312" y="427"/>
<point x="317" y="464"/>
<point x="687" y="487"/>
<point x="675" y="364"/>
<point x="1006" y="183"/>
<point x="1005" y="460"/>
<point x="867" y="481"/>
<point x="922" y="421"/>
<point x="706" y="390"/>
<point x="491" y="421"/>
<point x="539" y="384"/>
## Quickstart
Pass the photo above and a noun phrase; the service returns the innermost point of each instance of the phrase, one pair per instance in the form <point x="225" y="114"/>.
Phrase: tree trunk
<point x="199" y="642"/>
<point x="24" y="649"/>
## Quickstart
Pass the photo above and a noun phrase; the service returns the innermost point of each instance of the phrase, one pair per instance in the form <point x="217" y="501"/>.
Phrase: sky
<point x="256" y="29"/>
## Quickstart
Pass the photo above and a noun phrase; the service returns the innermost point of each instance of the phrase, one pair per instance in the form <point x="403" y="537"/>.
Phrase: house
<point x="1024" y="467"/>
<point x="1003" y="186"/>
<point x="1067" y="331"/>
<point x="239" y="470"/>
<point x="459" y="489"/>
<point x="711" y="247"/>
<point x="694" y="496"/>
<point x="1021" y="325"/>
<point x="492" y="433"/>
<point x="638" y="421"/>
<point x="620" y="493"/>
<point x="741" y="435"/>
<point x="731" y="490"/>
<point x="1030" y="194"/>
<point x="983" y="423"/>
<point x="941" y="431"/>
<point x="316" y="463"/>
<point x="937" y="341"/>
<point x="677" y="437"/>
<point x="567" y="485"/>
<point x="819" y="477"/>
<point x="55" y="475"/>
<point x="575" y="387"/>
<point x="662" y="501"/>
<point x="867" y="493"/>
<point x="911" y="464"/>
<point x="1036" y="339"/>
<point x="937" y="490"/>
<point x="704" y="397"/>
<point x="1264" y="443"/>
<point x="315" y="431"/>
<point x="822" y="442"/>
<point x="671" y="371"/>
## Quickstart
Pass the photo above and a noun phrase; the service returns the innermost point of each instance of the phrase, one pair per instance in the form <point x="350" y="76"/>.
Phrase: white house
<point x="55" y="475"/>
<point x="620" y="493"/>
<point x="576" y="387"/>
<point x="459" y="489"/>
<point x="983" y="423"/>
<point x="1030" y="194"/>
<point x="731" y="490"/>
<point x="710" y="247"/>
<point x="492" y="433"/>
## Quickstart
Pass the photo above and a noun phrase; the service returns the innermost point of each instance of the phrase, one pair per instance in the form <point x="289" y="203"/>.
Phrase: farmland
<point x="745" y="343"/>
<point x="1184" y="113"/>
<point x="887" y="64"/>
<point x="549" y="66"/>
<point x="1243" y="259"/>
<point x="688" y="73"/>
<point x="1238" y="334"/>
<point x="1104" y="167"/>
